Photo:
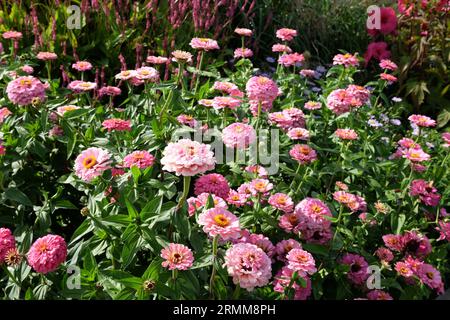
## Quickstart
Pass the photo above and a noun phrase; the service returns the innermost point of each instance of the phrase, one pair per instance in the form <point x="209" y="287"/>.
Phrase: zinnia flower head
<point x="7" y="242"/>
<point x="378" y="295"/>
<point x="281" y="48"/>
<point x="446" y="138"/>
<point x="47" y="56"/>
<point x="430" y="276"/>
<point x="444" y="230"/>
<point x="181" y="56"/>
<point x="82" y="66"/>
<point x="388" y="77"/>
<point x="311" y="219"/>
<point x="24" y="90"/>
<point x="4" y="113"/>
<point x="63" y="109"/>
<point x="261" y="185"/>
<point x="225" y="102"/>
<point x="126" y="75"/>
<point x="212" y="183"/>
<point x="91" y="163"/>
<point x="286" y="34"/>
<point x="244" y="32"/>
<point x="281" y="201"/>
<point x="358" y="268"/>
<point x="312" y="105"/>
<point x="236" y="198"/>
<point x="238" y="135"/>
<point x="188" y="158"/>
<point x="27" y="69"/>
<point x="261" y="88"/>
<point x="220" y="222"/>
<point x="47" y="253"/>
<point x="109" y="91"/>
<point x="384" y="254"/>
<point x="198" y="203"/>
<point x="243" y="53"/>
<point x="387" y="64"/>
<point x="117" y="124"/>
<point x="394" y="242"/>
<point x="347" y="60"/>
<point x="301" y="261"/>
<point x="13" y="35"/>
<point x="249" y="265"/>
<point x="177" y="256"/>
<point x="284" y="246"/>
<point x="298" y="134"/>
<point x="187" y="120"/>
<point x="303" y="153"/>
<point x="157" y="60"/>
<point x="422" y="121"/>
<point x="346" y="134"/>
<point x="416" y="155"/>
<point x="141" y="159"/>
<point x="291" y="59"/>
<point x="377" y="51"/>
<point x="204" y="44"/>
<point x="147" y="73"/>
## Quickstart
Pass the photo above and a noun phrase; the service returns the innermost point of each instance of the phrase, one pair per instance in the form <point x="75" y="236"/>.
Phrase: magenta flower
<point x="212" y="183"/>
<point x="117" y="125"/>
<point x="283" y="279"/>
<point x="47" y="253"/>
<point x="7" y="242"/>
<point x="347" y="60"/>
<point x="358" y="268"/>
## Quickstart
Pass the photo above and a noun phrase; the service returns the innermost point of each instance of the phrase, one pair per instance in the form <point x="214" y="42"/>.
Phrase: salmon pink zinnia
<point x="141" y="159"/>
<point x="220" y="222"/>
<point x="177" y="256"/>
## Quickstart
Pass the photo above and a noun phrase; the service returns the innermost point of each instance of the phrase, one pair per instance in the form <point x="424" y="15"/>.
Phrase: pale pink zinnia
<point x="283" y="280"/>
<point x="244" y="32"/>
<point x="82" y="66"/>
<point x="261" y="185"/>
<point x="249" y="265"/>
<point x="181" y="56"/>
<point x="388" y="65"/>
<point x="116" y="124"/>
<point x="126" y="75"/>
<point x="291" y="59"/>
<point x="347" y="60"/>
<point x="187" y="120"/>
<point x="286" y="34"/>
<point x="24" y="90"/>
<point x="204" y="44"/>
<point x="238" y="135"/>
<point x="91" y="163"/>
<point x="177" y="256"/>
<point x="157" y="60"/>
<point x="312" y="105"/>
<point x="47" y="253"/>
<point x="140" y="159"/>
<point x="281" y="201"/>
<point x="212" y="183"/>
<point x="46" y="56"/>
<point x="63" y="109"/>
<point x="422" y="121"/>
<point x="27" y="69"/>
<point x="109" y="91"/>
<point x="346" y="134"/>
<point x="298" y="134"/>
<point x="225" y="102"/>
<point x="147" y="73"/>
<point x="13" y="35"/>
<point x="388" y="77"/>
<point x="261" y="88"/>
<point x="416" y="155"/>
<point x="4" y="113"/>
<point x="220" y="222"/>
<point x="188" y="158"/>
<point x="301" y="261"/>
<point x="281" y="48"/>
<point x="243" y="53"/>
<point x="303" y="153"/>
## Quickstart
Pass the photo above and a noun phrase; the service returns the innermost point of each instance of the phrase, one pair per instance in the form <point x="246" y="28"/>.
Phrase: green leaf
<point x="72" y="114"/>
<point x="16" y="195"/>
<point x="131" y="210"/>
<point x="152" y="208"/>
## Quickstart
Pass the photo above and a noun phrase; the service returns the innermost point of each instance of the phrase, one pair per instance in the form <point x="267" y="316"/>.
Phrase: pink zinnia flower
<point x="4" y="113"/>
<point x="157" y="60"/>
<point x="358" y="268"/>
<point x="431" y="277"/>
<point x="283" y="279"/>
<point x="394" y="242"/>
<point x="27" y="69"/>
<point x="225" y="102"/>
<point x="236" y="198"/>
<point x="126" y="75"/>
<point x="220" y="222"/>
<point x="56" y="131"/>
<point x="312" y="220"/>
<point x="403" y="269"/>
<point x="228" y="87"/>
<point x="82" y="66"/>
<point x="47" y="253"/>
<point x="259" y="240"/>
<point x="303" y="153"/>
<point x="187" y="120"/>
<point x="444" y="230"/>
<point x="261" y="185"/>
<point x="181" y="56"/>
<point x="261" y="89"/>
<point x="388" y="65"/>
<point x="260" y="171"/>
<point x="109" y="91"/>
<point x="13" y="35"/>
<point x="281" y="48"/>
<point x="378" y="295"/>
<point x="7" y="242"/>
<point x="63" y="109"/>
<point x="238" y="135"/>
<point x="204" y="44"/>
<point x="301" y="261"/>
<point x="312" y="105"/>
<point x="416" y="155"/>
<point x="291" y="59"/>
<point x="141" y="159"/>
<point x="47" y="56"/>
<point x="347" y="60"/>
<point x="346" y="134"/>
<point x="196" y="204"/>
<point x="91" y="163"/>
<point x="388" y="77"/>
<point x="284" y="246"/>
<point x="244" y="32"/>
<point x="177" y="256"/>
<point x="117" y="125"/>
<point x="446" y="138"/>
<point x="425" y="190"/>
<point x="281" y="202"/>
<point x="147" y="73"/>
<point x="289" y="221"/>
<point x="416" y="244"/>
<point x="212" y="183"/>
<point x="286" y="34"/>
<point x="384" y="254"/>
<point x="307" y="73"/>
<point x="84" y="86"/>
<point x="243" y="53"/>
<point x="249" y="265"/>
<point x="377" y="51"/>
<point x="188" y="158"/>
<point x="422" y="121"/>
<point x="24" y="90"/>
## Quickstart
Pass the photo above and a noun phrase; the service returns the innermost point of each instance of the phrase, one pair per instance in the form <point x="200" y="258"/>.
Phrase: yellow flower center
<point x="89" y="162"/>
<point x="221" y="220"/>
<point x="25" y="82"/>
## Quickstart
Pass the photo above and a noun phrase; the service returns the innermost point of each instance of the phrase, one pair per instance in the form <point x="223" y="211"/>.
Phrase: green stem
<point x="236" y="292"/>
<point x="213" y="272"/>
<point x="198" y="75"/>
<point x="10" y="276"/>
<point x="186" y="185"/>
<point x="341" y="210"/>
